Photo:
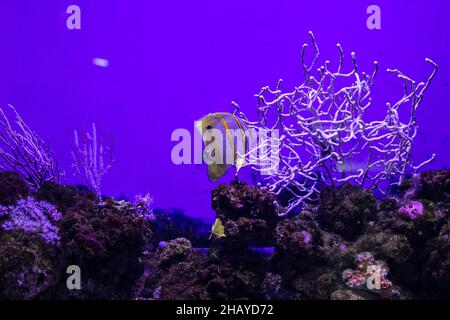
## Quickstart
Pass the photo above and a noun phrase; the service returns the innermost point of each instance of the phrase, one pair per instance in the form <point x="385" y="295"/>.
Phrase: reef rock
<point x="405" y="219"/>
<point x="28" y="265"/>
<point x="63" y="197"/>
<point x="437" y="266"/>
<point x="300" y="238"/>
<point x="249" y="216"/>
<point x="345" y="210"/>
<point x="241" y="200"/>
<point x="435" y="186"/>
<point x="12" y="188"/>
<point x="173" y="252"/>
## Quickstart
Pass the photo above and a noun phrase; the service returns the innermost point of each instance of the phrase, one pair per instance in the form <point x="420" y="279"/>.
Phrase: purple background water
<point x="172" y="62"/>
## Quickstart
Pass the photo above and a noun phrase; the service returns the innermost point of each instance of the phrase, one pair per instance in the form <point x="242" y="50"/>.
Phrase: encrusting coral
<point x="31" y="216"/>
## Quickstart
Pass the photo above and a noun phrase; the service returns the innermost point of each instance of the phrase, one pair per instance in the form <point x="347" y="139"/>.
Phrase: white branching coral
<point x="92" y="155"/>
<point x="25" y="152"/>
<point x="325" y="136"/>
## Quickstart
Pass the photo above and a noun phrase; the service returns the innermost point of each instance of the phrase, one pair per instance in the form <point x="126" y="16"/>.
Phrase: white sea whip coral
<point x="25" y="152"/>
<point x="92" y="157"/>
<point x="325" y="136"/>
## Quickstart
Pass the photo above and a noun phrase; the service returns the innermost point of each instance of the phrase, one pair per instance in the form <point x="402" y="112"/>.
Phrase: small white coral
<point x="144" y="207"/>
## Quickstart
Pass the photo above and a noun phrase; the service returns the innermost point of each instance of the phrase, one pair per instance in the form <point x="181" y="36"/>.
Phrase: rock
<point x="345" y="210"/>
<point x="174" y="251"/>
<point x="346" y="294"/>
<point x="106" y="242"/>
<point x="241" y="200"/>
<point x="419" y="229"/>
<point x="194" y="276"/>
<point x="248" y="214"/>
<point x="273" y="288"/>
<point x="179" y="280"/>
<point x="300" y="238"/>
<point x="231" y="282"/>
<point x="437" y="266"/>
<point x="12" y="188"/>
<point x="318" y="284"/>
<point x="63" y="197"/>
<point x="386" y="246"/>
<point x="28" y="266"/>
<point x="248" y="230"/>
<point x="435" y="186"/>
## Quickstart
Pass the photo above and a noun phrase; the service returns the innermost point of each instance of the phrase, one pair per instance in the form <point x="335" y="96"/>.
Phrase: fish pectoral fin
<point x="239" y="163"/>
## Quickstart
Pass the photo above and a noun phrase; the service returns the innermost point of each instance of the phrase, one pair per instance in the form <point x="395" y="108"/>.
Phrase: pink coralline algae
<point x="412" y="210"/>
<point x="32" y="216"/>
<point x="366" y="269"/>
<point x="307" y="237"/>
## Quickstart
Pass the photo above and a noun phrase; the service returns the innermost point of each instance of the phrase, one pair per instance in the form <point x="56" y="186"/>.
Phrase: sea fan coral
<point x="25" y="152"/>
<point x="320" y="133"/>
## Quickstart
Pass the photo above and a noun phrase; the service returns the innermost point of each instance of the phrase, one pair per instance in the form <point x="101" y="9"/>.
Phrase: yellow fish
<point x="228" y="147"/>
<point x="217" y="230"/>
